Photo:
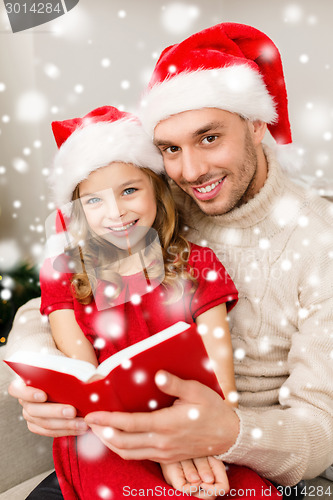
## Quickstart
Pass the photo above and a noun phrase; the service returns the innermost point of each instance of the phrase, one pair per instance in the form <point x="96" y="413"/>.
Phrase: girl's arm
<point x="69" y="337"/>
<point x="217" y="340"/>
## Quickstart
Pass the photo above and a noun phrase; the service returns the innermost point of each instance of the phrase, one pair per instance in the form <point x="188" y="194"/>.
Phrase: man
<point x="208" y="105"/>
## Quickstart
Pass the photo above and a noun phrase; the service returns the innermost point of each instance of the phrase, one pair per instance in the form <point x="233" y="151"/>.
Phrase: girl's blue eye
<point x="93" y="201"/>
<point x="128" y="191"/>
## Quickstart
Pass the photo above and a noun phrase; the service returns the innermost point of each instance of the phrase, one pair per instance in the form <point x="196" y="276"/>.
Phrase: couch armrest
<point x="22" y="453"/>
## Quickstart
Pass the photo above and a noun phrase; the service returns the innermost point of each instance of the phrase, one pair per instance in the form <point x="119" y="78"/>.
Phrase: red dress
<point x="86" y="469"/>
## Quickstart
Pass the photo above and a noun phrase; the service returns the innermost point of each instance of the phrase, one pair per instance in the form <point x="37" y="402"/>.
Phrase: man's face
<point x="211" y="154"/>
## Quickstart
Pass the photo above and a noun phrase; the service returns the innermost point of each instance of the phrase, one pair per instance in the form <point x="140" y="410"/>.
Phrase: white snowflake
<point x="285" y="210"/>
<point x="161" y="379"/>
<point x="90" y="446"/>
<point x="52" y="71"/>
<point x="104" y="492"/>
<point x="286" y="265"/>
<point x="202" y="329"/>
<point x="256" y="433"/>
<point x="108" y="432"/>
<point x="233" y="396"/>
<point x="264" y="243"/>
<point x="212" y="276"/>
<point x="20" y="165"/>
<point x="239" y="353"/>
<point x="110" y="324"/>
<point x="10" y="254"/>
<point x="125" y="84"/>
<point x="292" y="13"/>
<point x="193" y="413"/>
<point x="99" y="343"/>
<point x="218" y="332"/>
<point x="284" y="392"/>
<point x="31" y="107"/>
<point x="303" y="58"/>
<point x="178" y="17"/>
<point x="135" y="299"/>
<point x="140" y="376"/>
<point x="79" y="88"/>
<point x="6" y="294"/>
<point x="126" y="364"/>
<point x="105" y="62"/>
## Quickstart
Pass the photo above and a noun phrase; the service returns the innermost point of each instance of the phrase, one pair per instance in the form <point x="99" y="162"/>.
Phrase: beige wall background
<point x="103" y="52"/>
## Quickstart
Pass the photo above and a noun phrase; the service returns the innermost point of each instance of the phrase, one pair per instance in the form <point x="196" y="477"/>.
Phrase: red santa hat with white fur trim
<point x="103" y="136"/>
<point x="229" y="66"/>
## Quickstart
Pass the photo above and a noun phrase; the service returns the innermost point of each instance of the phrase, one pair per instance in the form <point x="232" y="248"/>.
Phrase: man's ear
<point x="258" y="130"/>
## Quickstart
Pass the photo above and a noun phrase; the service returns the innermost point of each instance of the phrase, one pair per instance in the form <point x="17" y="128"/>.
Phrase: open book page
<point x="123" y="357"/>
<point x="84" y="370"/>
<point x="76" y="367"/>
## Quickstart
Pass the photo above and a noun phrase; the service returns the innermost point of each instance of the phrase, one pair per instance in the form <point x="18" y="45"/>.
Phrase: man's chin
<point x="211" y="208"/>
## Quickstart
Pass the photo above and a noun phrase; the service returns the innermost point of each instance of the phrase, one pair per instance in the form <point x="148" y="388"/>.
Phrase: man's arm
<point x="31" y="332"/>
<point x="290" y="441"/>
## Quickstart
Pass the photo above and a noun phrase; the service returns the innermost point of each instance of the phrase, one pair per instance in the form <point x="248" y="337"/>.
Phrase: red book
<point x="129" y="375"/>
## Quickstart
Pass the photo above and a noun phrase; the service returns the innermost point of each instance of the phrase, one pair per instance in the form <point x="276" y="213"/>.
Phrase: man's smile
<point x="209" y="190"/>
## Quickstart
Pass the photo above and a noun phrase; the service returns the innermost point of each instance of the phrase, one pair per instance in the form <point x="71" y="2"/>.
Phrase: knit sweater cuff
<point x="247" y="433"/>
<point x="236" y="446"/>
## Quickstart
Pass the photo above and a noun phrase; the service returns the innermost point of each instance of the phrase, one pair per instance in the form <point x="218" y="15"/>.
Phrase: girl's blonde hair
<point x="168" y="224"/>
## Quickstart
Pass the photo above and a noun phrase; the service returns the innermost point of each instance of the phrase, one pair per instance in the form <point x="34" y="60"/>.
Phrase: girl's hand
<point x="203" y="478"/>
<point x="43" y="418"/>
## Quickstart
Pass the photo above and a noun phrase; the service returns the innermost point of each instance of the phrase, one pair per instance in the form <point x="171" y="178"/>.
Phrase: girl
<point x="110" y="179"/>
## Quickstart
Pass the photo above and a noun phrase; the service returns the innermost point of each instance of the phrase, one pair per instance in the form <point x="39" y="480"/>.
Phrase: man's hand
<point x="198" y="424"/>
<point x="46" y="419"/>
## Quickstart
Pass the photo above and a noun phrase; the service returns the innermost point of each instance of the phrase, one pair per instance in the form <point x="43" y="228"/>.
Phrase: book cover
<point x="129" y="375"/>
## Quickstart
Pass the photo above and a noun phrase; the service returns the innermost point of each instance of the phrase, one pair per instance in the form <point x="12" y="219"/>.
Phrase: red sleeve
<point x="55" y="289"/>
<point x="214" y="285"/>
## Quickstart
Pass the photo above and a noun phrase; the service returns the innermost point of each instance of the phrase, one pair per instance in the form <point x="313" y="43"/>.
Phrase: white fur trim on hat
<point x="238" y="89"/>
<point x="97" y="145"/>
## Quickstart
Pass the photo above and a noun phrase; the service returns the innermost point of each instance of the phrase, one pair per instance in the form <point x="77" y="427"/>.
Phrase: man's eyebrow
<point x="162" y="142"/>
<point x="208" y="127"/>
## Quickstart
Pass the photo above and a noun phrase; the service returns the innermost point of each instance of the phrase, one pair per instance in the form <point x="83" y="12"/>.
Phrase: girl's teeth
<point x="122" y="228"/>
<point x="207" y="189"/>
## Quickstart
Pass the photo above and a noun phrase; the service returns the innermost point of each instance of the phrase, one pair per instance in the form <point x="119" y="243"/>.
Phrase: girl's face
<point x="119" y="203"/>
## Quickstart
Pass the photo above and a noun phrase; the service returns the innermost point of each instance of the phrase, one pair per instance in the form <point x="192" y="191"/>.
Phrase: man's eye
<point x="128" y="191"/>
<point x="172" y="149"/>
<point x="93" y="201"/>
<point x="209" y="139"/>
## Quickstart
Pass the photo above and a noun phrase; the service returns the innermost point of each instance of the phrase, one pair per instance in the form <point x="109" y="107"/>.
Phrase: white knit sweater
<point x="278" y="248"/>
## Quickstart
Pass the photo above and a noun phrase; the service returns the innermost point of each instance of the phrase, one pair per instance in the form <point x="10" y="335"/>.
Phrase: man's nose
<point x="193" y="165"/>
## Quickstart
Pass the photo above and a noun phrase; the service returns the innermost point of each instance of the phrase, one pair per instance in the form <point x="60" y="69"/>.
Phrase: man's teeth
<point x="123" y="228"/>
<point x="209" y="188"/>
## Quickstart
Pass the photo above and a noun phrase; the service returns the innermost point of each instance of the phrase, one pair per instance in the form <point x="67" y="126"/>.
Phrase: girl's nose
<point x="113" y="208"/>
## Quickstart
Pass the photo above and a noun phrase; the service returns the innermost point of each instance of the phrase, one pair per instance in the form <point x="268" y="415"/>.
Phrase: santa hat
<point x="229" y="66"/>
<point x="102" y="136"/>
